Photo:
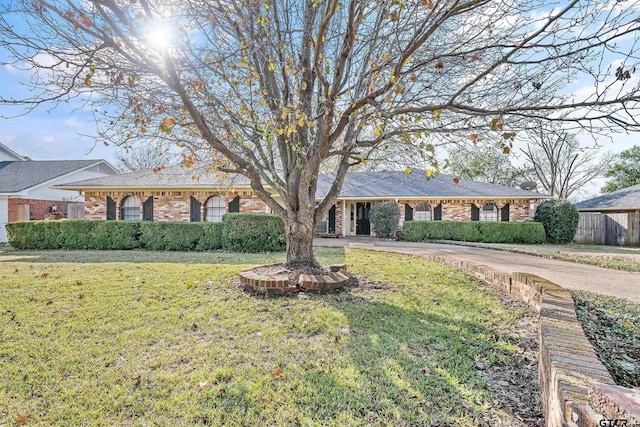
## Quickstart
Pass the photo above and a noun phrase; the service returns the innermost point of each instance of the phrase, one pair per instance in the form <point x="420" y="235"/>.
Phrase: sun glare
<point x="160" y="36"/>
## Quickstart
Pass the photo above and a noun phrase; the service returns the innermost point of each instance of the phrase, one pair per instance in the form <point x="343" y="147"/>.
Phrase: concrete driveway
<point x="570" y="275"/>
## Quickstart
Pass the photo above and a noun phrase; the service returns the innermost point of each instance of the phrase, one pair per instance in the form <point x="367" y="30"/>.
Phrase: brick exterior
<point x="452" y="210"/>
<point x="38" y="209"/>
<point x="167" y="205"/>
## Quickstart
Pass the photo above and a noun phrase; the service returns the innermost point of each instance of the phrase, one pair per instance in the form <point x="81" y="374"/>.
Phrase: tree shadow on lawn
<point x="395" y="366"/>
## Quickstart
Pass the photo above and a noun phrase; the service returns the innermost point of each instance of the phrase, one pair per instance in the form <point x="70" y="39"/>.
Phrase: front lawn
<point x="150" y="338"/>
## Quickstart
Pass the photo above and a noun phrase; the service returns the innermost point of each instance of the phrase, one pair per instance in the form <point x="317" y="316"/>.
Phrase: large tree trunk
<point x="300" y="230"/>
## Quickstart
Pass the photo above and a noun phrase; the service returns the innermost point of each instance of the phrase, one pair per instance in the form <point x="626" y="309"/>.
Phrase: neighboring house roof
<point x="10" y="154"/>
<point x="357" y="185"/>
<point x="623" y="199"/>
<point x="22" y="175"/>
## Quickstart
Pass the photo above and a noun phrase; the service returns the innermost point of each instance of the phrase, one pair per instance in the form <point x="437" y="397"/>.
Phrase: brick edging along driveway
<point x="577" y="390"/>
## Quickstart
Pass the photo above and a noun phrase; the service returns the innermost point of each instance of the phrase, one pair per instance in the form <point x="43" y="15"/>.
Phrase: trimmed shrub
<point x="474" y="231"/>
<point x="511" y="232"/>
<point x="170" y="236"/>
<point x="261" y="233"/>
<point x="560" y="220"/>
<point x="73" y="234"/>
<point x="246" y="232"/>
<point x="385" y="218"/>
<point x="211" y="237"/>
<point x="115" y="235"/>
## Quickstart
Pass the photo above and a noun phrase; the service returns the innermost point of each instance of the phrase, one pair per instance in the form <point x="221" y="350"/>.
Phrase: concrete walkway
<point x="622" y="284"/>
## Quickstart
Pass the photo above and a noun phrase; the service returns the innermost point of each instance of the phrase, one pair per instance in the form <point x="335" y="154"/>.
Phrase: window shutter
<point x="475" y="213"/>
<point x="408" y="212"/>
<point x="504" y="213"/>
<point x="147" y="210"/>
<point x="195" y="210"/>
<point x="234" y="205"/>
<point x="111" y="209"/>
<point x="332" y="219"/>
<point x="437" y="212"/>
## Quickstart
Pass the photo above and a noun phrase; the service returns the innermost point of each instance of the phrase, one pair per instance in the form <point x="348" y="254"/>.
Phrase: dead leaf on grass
<point x="277" y="373"/>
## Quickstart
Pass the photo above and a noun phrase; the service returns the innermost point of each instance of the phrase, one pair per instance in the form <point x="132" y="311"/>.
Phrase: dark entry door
<point x="363" y="227"/>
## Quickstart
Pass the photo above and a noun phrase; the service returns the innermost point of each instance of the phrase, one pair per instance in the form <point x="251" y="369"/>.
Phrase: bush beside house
<point x="486" y="232"/>
<point x="560" y="220"/>
<point x="236" y="232"/>
<point x="385" y="218"/>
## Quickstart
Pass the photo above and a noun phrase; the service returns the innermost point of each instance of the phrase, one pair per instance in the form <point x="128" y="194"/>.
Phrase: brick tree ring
<point x="276" y="283"/>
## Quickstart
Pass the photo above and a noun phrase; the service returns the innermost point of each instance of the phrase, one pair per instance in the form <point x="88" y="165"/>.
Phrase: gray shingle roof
<point x="398" y="184"/>
<point x="372" y="185"/>
<point x="20" y="175"/>
<point x="171" y="177"/>
<point x="623" y="199"/>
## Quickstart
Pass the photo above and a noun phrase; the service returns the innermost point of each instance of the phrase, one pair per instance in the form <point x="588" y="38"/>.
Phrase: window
<point x="130" y="209"/>
<point x="216" y="207"/>
<point x="489" y="212"/>
<point x="322" y="227"/>
<point x="422" y="212"/>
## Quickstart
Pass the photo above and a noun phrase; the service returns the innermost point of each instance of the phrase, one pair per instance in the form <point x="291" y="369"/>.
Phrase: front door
<point x="363" y="226"/>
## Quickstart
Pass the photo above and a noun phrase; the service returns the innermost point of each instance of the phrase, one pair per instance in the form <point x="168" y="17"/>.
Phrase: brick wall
<point x="577" y="390"/>
<point x="452" y="210"/>
<point x="38" y="209"/>
<point x="167" y="205"/>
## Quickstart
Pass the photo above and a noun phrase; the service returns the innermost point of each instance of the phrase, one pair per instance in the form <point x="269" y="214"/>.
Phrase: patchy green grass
<point x="147" y="338"/>
<point x="613" y="327"/>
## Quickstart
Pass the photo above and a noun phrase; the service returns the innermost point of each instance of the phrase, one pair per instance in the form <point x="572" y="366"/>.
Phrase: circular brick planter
<point x="278" y="284"/>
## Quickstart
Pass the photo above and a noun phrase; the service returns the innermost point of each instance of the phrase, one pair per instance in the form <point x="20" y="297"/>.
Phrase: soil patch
<point x="612" y="325"/>
<point x="515" y="380"/>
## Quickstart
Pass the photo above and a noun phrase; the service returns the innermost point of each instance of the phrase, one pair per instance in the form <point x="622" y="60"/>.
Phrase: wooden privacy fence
<point x="614" y="229"/>
<point x="75" y="211"/>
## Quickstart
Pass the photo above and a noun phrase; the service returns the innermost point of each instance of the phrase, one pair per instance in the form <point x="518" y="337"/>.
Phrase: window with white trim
<point x="216" y="207"/>
<point x="130" y="209"/>
<point x="422" y="212"/>
<point x="490" y="212"/>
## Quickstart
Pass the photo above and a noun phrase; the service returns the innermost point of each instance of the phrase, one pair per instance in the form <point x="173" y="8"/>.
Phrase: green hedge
<point x="560" y="220"/>
<point x="243" y="232"/>
<point x="237" y="232"/>
<point x="474" y="231"/>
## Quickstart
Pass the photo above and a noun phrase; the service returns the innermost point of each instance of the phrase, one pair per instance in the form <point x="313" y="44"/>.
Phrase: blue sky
<point x="49" y="132"/>
<point x="60" y="131"/>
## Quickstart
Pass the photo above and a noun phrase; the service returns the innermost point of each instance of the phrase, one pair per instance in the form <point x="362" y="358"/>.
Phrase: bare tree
<point x="144" y="158"/>
<point x="486" y="164"/>
<point x="273" y="89"/>
<point x="560" y="165"/>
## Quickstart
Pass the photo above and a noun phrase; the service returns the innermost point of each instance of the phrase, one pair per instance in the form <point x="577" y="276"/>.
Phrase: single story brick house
<point x="192" y="194"/>
<point x="25" y="192"/>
